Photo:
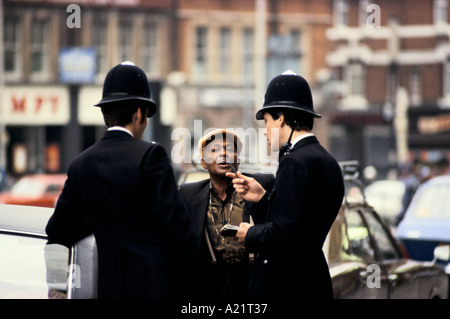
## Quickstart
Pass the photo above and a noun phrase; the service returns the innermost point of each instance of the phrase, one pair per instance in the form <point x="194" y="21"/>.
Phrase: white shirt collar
<point x="300" y="138"/>
<point x="120" y="128"/>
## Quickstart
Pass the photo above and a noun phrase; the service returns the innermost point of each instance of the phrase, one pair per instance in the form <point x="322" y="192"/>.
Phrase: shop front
<point x="429" y="135"/>
<point x="34" y="118"/>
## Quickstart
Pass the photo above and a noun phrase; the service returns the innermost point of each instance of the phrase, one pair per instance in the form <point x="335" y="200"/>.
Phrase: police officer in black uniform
<point x="123" y="191"/>
<point x="303" y="204"/>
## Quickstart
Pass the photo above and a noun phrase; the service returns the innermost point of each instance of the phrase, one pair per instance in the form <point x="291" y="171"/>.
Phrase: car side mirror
<point x="442" y="253"/>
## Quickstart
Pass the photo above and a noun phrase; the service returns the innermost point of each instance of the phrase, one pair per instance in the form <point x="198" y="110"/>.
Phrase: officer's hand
<point x="242" y="232"/>
<point x="247" y="187"/>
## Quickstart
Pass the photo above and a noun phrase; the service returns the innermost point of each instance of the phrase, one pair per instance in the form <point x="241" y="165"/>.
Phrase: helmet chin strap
<point x="286" y="147"/>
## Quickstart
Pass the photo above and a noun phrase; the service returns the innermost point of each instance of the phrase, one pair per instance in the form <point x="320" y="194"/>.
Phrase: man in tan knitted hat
<point x="213" y="204"/>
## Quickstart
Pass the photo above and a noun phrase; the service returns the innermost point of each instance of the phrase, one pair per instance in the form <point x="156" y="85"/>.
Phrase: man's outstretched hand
<point x="247" y="187"/>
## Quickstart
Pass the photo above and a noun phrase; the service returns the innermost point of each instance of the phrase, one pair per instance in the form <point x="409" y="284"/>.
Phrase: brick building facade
<point x="391" y="59"/>
<point x="374" y="67"/>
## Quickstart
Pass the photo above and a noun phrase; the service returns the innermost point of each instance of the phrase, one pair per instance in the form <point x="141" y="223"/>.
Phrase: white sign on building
<point x="35" y="105"/>
<point x="88" y="114"/>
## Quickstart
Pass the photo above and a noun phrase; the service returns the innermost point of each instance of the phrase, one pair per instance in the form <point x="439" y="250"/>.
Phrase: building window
<point x="201" y="46"/>
<point x="126" y="41"/>
<point x="296" y="40"/>
<point x="225" y="51"/>
<point x="440" y="11"/>
<point x="40" y="48"/>
<point x="340" y="12"/>
<point x="447" y="78"/>
<point x="295" y="53"/>
<point x="355" y="98"/>
<point x="12" y="47"/>
<point x="284" y="53"/>
<point x="355" y="79"/>
<point x="415" y="87"/>
<point x="247" y="57"/>
<point x="150" y="52"/>
<point x="99" y="41"/>
<point x="363" y="14"/>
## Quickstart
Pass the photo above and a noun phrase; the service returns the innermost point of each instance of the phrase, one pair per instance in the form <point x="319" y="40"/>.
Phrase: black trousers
<point x="229" y="281"/>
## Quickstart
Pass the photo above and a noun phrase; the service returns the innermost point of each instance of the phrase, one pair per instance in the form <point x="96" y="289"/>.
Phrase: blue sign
<point x="77" y="65"/>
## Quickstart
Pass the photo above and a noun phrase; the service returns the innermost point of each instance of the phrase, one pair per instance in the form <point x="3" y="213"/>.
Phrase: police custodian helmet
<point x="126" y="81"/>
<point x="288" y="91"/>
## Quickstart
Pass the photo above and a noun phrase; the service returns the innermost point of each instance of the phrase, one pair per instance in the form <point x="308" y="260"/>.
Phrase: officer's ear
<point x="282" y="119"/>
<point x="140" y="114"/>
<point x="145" y="110"/>
<point x="136" y="115"/>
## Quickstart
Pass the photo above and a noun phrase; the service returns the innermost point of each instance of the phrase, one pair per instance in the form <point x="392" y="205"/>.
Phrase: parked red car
<point x="35" y="190"/>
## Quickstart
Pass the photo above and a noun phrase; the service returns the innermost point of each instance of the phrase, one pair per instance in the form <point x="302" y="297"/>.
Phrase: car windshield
<point x="434" y="203"/>
<point x="27" y="187"/>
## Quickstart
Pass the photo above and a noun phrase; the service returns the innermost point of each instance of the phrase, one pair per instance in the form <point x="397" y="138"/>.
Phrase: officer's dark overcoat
<point x="302" y="206"/>
<point x="124" y="191"/>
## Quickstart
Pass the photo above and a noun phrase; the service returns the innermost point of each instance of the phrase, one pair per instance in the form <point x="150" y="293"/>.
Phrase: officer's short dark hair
<point x="296" y="120"/>
<point x="121" y="113"/>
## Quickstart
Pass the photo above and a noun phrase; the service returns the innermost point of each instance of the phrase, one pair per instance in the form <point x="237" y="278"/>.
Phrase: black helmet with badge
<point x="288" y="91"/>
<point x="124" y="82"/>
